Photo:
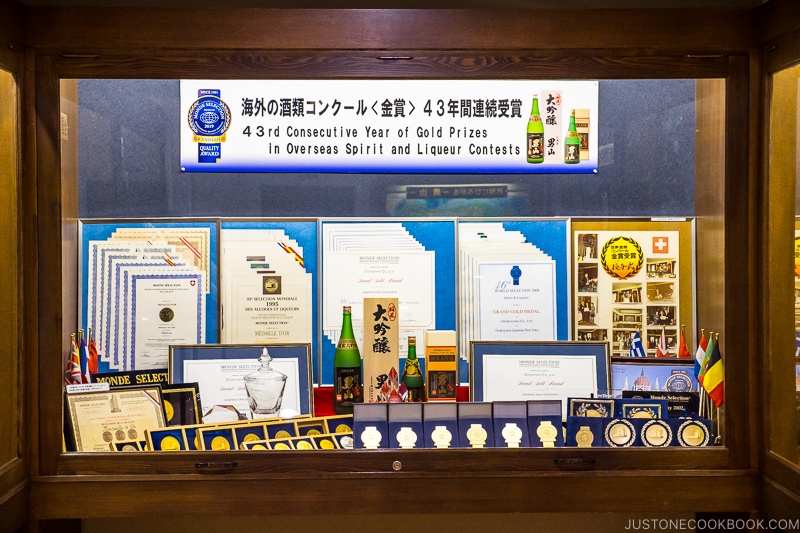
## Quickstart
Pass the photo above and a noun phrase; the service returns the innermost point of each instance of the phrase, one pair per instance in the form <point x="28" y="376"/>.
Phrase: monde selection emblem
<point x="209" y="119"/>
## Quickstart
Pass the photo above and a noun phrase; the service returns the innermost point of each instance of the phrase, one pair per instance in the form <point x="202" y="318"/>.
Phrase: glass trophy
<point x="265" y="388"/>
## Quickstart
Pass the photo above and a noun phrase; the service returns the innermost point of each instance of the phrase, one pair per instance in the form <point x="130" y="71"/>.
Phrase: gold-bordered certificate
<point x="99" y="419"/>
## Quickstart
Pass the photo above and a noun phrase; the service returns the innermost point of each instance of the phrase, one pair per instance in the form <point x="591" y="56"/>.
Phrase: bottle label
<point x="346" y="344"/>
<point x="536" y="146"/>
<point x="572" y="153"/>
<point x="347" y="386"/>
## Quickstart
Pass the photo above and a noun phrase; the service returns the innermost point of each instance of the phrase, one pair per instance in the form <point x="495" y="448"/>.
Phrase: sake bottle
<point x="412" y="375"/>
<point x="572" y="143"/>
<point x="346" y="368"/>
<point x="535" y="142"/>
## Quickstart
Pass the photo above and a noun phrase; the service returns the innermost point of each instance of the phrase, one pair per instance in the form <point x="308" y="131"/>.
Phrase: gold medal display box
<point x="718" y="174"/>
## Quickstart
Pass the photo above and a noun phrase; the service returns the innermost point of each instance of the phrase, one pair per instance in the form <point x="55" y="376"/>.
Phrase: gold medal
<point x="258" y="447"/>
<point x="656" y="433"/>
<point x="477" y="435"/>
<point x="313" y="432"/>
<point x="303" y="445"/>
<point x="343" y="428"/>
<point x="220" y="443"/>
<point x="130" y="448"/>
<point x="169" y="411"/>
<point x="584" y="437"/>
<point x="281" y="446"/>
<point x="282" y="434"/>
<point x="170" y="444"/>
<point x="620" y="433"/>
<point x="326" y="444"/>
<point x="547" y="434"/>
<point x="250" y="437"/>
<point x="693" y="434"/>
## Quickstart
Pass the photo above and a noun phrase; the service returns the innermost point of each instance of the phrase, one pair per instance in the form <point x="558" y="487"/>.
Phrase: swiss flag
<point x="660" y="245"/>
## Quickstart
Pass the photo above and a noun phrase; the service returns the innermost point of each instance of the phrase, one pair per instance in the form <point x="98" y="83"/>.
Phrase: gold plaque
<point x="620" y="433"/>
<point x="406" y="438"/>
<point x="547" y="434"/>
<point x="584" y="437"/>
<point x="656" y="433"/>
<point x="441" y="437"/>
<point x="693" y="434"/>
<point x="170" y="444"/>
<point x="220" y="443"/>
<point x="512" y="434"/>
<point x="371" y="438"/>
<point x="326" y="444"/>
<point x="476" y="435"/>
<point x="303" y="445"/>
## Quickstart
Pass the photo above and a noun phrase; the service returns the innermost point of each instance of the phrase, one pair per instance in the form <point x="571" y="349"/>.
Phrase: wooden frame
<point x="622" y="43"/>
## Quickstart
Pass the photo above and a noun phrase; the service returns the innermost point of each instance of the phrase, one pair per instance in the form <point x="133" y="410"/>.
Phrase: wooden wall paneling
<point x="386" y="493"/>
<point x="12" y="36"/>
<point x="94" y="30"/>
<point x="775" y="19"/>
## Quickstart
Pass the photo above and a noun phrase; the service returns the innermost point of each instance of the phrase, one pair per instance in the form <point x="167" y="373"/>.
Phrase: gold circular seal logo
<point x="220" y="443"/>
<point x="622" y="257"/>
<point x="170" y="444"/>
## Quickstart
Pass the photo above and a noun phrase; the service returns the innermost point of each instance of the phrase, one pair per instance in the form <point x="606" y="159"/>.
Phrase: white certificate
<point x="516" y="301"/>
<point x="538" y="377"/>
<point x="165" y="309"/>
<point x="407" y="276"/>
<point x="221" y="381"/>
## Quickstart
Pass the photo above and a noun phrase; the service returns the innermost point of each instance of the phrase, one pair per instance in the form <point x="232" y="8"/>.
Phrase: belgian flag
<point x="714" y="377"/>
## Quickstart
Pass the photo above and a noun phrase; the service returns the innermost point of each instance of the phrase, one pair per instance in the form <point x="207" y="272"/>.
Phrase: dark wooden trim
<point x="12" y="35"/>
<point x="508" y="64"/>
<point x="137" y="31"/>
<point x="14" y="507"/>
<point x="455" y="493"/>
<point x="775" y="19"/>
<point x="52" y="339"/>
<point x="776" y="501"/>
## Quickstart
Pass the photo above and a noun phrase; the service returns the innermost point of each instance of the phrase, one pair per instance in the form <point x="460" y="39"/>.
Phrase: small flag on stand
<point x="706" y="359"/>
<point x="661" y="348"/>
<point x="93" y="357"/>
<point x="683" y="350"/>
<point x="700" y="354"/>
<point x="73" y="375"/>
<point x="84" y="358"/>
<point x="637" y="350"/>
<point x="714" y="378"/>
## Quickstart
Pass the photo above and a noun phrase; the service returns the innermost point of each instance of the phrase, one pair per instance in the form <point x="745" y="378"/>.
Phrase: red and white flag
<point x="661" y="348"/>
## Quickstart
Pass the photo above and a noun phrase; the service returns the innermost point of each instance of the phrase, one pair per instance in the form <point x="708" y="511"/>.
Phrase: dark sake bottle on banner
<point x="572" y="143"/>
<point x="412" y="375"/>
<point x="535" y="134"/>
<point x="347" y="388"/>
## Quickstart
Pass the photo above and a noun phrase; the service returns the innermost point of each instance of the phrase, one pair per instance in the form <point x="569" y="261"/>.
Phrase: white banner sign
<point x="432" y="126"/>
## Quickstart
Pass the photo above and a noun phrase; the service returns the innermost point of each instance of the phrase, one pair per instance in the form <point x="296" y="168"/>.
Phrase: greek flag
<point x="637" y="350"/>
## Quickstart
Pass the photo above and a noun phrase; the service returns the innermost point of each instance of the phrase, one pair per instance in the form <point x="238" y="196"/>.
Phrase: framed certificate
<point x="98" y="420"/>
<point x="651" y="374"/>
<point x="219" y="371"/>
<point x="511" y="371"/>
